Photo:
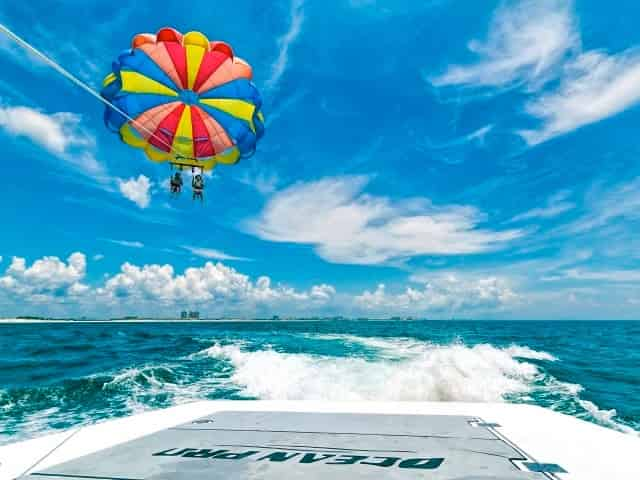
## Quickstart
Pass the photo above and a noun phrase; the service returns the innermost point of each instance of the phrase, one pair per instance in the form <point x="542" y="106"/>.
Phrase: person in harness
<point x="198" y="186"/>
<point x="176" y="183"/>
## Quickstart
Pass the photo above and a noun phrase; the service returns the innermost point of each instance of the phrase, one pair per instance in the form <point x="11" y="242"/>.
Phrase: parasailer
<point x="198" y="186"/>
<point x="184" y="100"/>
<point x="176" y="183"/>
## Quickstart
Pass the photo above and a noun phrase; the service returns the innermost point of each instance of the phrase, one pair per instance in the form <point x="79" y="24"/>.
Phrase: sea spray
<point x="50" y="379"/>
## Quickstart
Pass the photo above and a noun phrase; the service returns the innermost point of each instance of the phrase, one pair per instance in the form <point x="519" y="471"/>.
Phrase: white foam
<point x="406" y="369"/>
<point x="526" y="352"/>
<point x="606" y="417"/>
<point x="437" y="373"/>
<point x="399" y="346"/>
<point x="140" y="385"/>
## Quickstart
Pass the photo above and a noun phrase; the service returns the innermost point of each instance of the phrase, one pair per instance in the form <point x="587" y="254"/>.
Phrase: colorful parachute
<point x="186" y="100"/>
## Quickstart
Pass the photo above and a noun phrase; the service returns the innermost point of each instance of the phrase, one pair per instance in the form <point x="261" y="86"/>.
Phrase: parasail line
<point x="75" y="80"/>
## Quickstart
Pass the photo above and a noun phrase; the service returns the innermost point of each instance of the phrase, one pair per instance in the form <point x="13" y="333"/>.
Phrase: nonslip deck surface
<point x="288" y="445"/>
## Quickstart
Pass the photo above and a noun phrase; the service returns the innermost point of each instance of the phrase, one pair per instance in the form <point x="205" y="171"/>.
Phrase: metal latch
<point x="478" y="423"/>
<point x="544" y="467"/>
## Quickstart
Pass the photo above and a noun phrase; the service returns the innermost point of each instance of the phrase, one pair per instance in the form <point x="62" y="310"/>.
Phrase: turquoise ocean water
<point x="55" y="376"/>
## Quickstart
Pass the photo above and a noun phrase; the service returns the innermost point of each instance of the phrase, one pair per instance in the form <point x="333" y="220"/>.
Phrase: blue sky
<point x="429" y="159"/>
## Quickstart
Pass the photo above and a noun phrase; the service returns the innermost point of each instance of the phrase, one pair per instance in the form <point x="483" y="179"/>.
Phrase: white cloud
<point x="211" y="253"/>
<point x="556" y="205"/>
<point x="322" y="292"/>
<point x="53" y="132"/>
<point x="534" y="41"/>
<point x="59" y="133"/>
<point x="295" y="27"/>
<point x="348" y="226"/>
<point x="211" y="283"/>
<point x="520" y="290"/>
<point x="126" y="243"/>
<point x="594" y="86"/>
<point x="214" y="288"/>
<point x="448" y="293"/>
<point x="98" y="257"/>
<point x="46" y="277"/>
<point x="137" y="190"/>
<point x="526" y="41"/>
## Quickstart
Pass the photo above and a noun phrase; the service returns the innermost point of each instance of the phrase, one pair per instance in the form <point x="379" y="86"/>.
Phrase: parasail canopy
<point x="184" y="99"/>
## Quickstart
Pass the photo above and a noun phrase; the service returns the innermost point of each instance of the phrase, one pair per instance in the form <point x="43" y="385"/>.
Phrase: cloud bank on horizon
<point x="487" y="169"/>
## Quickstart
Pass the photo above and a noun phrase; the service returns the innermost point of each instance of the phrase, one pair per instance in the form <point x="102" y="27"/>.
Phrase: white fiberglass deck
<point x="313" y="440"/>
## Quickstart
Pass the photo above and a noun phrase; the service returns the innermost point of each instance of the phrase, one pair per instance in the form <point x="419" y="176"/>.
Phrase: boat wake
<point x="350" y="367"/>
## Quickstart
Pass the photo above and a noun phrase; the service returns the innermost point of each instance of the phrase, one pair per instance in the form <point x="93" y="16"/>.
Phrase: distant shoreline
<point x="139" y="320"/>
<point x="179" y="320"/>
<point x="25" y="321"/>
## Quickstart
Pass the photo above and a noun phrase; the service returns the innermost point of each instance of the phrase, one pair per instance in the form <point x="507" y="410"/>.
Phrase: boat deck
<point x="296" y="440"/>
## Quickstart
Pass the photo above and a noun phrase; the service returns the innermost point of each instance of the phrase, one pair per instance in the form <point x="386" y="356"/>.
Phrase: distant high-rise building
<point x="184" y="315"/>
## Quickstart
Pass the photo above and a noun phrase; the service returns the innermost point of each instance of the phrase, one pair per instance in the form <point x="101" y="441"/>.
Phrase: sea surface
<point x="55" y="376"/>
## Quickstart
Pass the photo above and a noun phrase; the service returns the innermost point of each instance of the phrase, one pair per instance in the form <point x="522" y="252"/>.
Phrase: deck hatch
<point x="294" y="445"/>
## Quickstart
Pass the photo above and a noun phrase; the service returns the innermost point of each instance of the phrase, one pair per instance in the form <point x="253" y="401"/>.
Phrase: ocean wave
<point x="526" y="352"/>
<point x="407" y="369"/>
<point x="437" y="373"/>
<point x="299" y="367"/>
<point x="402" y="347"/>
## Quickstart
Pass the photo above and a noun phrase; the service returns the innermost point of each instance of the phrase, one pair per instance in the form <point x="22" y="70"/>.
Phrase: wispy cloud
<point x="126" y="243"/>
<point x="556" y="205"/>
<point x="606" y="204"/>
<point x="285" y="104"/>
<point x="454" y="151"/>
<point x="137" y="190"/>
<point x="533" y="41"/>
<point x="212" y="254"/>
<point x="54" y="132"/>
<point x="526" y="40"/>
<point x="477" y="136"/>
<point x="613" y="276"/>
<point x="279" y="66"/>
<point x="74" y="55"/>
<point x="348" y="226"/>
<point x="593" y="86"/>
<point x="263" y="181"/>
<point x="59" y="133"/>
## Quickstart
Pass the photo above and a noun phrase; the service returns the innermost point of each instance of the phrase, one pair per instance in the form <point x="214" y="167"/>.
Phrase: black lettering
<point x="204" y="453"/>
<point x="347" y="460"/>
<point x="279" y="456"/>
<point x="165" y="453"/>
<point x="312" y="458"/>
<point x="386" y="462"/>
<point x="235" y="456"/>
<point x="423" y="463"/>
